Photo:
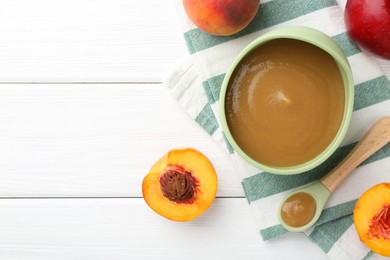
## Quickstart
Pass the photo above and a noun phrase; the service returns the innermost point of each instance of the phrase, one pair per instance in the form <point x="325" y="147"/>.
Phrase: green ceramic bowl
<point x="327" y="44"/>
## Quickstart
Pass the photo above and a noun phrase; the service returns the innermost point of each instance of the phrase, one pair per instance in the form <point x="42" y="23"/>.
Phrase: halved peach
<point x="372" y="218"/>
<point x="181" y="185"/>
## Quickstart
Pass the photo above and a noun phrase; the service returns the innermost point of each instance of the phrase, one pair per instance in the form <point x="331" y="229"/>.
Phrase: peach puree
<point x="285" y="102"/>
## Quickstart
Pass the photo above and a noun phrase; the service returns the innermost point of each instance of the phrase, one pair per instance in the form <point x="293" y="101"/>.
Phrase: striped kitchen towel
<point x="196" y="85"/>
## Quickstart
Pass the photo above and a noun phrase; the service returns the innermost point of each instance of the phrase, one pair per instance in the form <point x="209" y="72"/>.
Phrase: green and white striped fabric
<point x="196" y="85"/>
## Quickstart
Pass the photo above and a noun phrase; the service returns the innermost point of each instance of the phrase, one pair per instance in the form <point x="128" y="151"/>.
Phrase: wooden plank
<point x="85" y="40"/>
<point x="83" y="140"/>
<point x="90" y="41"/>
<point x="128" y="229"/>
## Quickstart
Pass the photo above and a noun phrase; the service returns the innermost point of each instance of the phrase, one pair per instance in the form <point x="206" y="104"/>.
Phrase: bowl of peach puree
<point x="286" y="101"/>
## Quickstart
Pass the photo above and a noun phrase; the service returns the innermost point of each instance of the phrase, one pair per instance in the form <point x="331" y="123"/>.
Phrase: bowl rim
<point x="345" y="69"/>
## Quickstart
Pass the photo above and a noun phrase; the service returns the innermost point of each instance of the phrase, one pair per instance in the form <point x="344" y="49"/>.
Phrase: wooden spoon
<point x="376" y="137"/>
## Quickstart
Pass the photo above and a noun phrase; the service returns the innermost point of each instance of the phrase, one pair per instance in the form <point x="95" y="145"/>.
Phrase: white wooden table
<point x="83" y="116"/>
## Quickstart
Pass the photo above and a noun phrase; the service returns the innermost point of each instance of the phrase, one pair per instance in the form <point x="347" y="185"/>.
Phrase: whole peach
<point x="221" y="17"/>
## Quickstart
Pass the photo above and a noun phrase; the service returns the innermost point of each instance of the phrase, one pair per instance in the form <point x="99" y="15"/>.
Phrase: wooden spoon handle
<point x="376" y="137"/>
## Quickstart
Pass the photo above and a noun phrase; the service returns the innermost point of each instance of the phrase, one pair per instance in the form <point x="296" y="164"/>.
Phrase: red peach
<point x="221" y="17"/>
<point x="368" y="24"/>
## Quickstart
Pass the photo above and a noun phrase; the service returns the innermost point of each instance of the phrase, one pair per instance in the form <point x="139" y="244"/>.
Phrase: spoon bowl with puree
<point x="302" y="208"/>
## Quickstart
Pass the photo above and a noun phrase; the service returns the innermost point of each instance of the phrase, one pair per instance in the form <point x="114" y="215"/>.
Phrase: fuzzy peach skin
<point x="221" y="17"/>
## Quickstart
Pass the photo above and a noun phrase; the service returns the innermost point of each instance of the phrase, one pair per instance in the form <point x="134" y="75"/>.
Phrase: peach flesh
<point x="380" y="224"/>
